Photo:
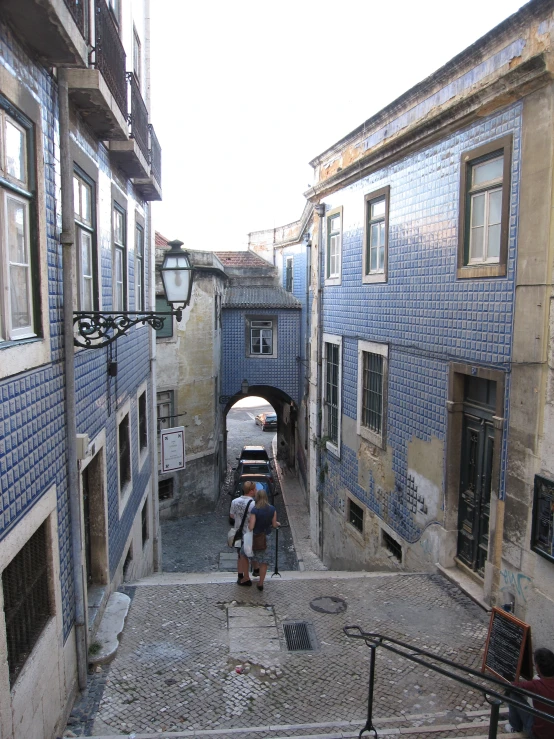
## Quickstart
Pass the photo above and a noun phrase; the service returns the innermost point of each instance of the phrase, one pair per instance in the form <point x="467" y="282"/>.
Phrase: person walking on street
<point x="238" y="508"/>
<point x="519" y="720"/>
<point x="263" y="518"/>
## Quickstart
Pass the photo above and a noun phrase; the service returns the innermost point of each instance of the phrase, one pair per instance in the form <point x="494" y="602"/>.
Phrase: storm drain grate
<point x="299" y="636"/>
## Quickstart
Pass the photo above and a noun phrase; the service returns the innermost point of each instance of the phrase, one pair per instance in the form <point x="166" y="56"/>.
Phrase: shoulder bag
<point x="234" y="537"/>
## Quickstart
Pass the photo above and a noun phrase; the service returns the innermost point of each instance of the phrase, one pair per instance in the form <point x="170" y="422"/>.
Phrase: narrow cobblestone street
<point x="200" y="656"/>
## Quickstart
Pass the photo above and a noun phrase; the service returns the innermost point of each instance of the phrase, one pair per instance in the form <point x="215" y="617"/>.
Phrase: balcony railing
<point x="139" y="117"/>
<point x="155" y="156"/>
<point x="110" y="55"/>
<point x="77" y="8"/>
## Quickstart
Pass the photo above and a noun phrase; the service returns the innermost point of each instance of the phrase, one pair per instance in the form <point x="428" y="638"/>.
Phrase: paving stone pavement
<point x="174" y="670"/>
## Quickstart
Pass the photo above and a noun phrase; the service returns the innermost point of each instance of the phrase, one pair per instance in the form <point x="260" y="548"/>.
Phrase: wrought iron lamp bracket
<point x="94" y="328"/>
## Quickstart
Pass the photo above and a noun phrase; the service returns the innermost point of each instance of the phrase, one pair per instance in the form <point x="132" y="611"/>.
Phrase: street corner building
<point x="423" y="267"/>
<point x="79" y="165"/>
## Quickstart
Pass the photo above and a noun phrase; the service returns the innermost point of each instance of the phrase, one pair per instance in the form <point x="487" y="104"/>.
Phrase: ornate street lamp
<point x="94" y="327"/>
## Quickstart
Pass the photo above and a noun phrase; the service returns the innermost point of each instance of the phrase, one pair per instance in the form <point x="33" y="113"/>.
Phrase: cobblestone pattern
<point x="193" y="544"/>
<point x="173" y="671"/>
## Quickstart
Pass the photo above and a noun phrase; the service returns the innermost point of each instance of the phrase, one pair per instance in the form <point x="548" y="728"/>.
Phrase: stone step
<point x="473" y="725"/>
<point x="106" y="640"/>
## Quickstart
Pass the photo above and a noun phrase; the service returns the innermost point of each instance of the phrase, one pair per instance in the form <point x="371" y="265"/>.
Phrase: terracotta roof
<point x="160" y="241"/>
<point x="259" y="297"/>
<point x="241" y="259"/>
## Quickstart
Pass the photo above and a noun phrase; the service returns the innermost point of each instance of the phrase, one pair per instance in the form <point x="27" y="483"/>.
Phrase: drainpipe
<point x="320" y="210"/>
<point x="67" y="240"/>
<point x="156" y="538"/>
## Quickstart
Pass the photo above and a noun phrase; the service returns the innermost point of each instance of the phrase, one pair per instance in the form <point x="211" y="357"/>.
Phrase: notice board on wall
<point x="508" y="651"/>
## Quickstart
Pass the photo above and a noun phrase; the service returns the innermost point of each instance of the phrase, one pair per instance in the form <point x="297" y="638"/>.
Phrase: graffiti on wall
<point x="516" y="583"/>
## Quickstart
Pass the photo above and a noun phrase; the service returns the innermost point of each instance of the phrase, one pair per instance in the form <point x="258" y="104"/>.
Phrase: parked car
<point x="262" y="480"/>
<point x="254" y="467"/>
<point x="253" y="451"/>
<point x="267" y="421"/>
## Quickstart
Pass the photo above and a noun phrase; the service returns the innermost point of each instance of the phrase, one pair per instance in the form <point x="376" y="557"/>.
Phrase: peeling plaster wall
<point x="188" y="364"/>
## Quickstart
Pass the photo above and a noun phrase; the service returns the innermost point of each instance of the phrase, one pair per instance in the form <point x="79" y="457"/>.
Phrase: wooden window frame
<point x="465" y="270"/>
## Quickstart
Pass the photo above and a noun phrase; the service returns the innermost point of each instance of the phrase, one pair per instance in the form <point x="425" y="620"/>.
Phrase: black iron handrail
<point x="77" y="8"/>
<point x="138" y="117"/>
<point x="110" y="55"/>
<point x="374" y="640"/>
<point x="155" y="156"/>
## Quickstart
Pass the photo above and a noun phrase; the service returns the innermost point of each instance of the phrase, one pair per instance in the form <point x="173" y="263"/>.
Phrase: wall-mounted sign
<point x="173" y="449"/>
<point x="542" y="538"/>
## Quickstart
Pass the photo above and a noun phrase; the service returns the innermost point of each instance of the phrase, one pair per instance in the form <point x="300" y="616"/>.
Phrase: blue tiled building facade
<point x="428" y="400"/>
<point x="106" y="527"/>
<point x="426" y="316"/>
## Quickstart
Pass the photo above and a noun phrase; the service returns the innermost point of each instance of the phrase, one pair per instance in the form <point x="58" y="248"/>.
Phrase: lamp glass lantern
<point x="176" y="272"/>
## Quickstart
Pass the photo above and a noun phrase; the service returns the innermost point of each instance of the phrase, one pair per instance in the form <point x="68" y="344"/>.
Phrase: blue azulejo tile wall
<point x="281" y="372"/>
<point x="32" y="403"/>
<point x="428" y="317"/>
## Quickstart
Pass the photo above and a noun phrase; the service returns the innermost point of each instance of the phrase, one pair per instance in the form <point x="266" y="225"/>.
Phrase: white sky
<point x="246" y="93"/>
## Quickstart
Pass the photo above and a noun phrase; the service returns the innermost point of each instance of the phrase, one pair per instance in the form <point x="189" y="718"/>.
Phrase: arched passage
<point x="286" y="410"/>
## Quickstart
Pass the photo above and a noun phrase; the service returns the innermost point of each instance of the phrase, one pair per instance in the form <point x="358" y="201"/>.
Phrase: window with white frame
<point x="261" y="336"/>
<point x="119" y="259"/>
<point x="485" y="210"/>
<point x="83" y="205"/>
<point x="334" y="246"/>
<point x="332" y="381"/>
<point x="289" y="274"/>
<point x="17" y="272"/>
<point x="372" y="391"/>
<point x="139" y="267"/>
<point x="376" y="235"/>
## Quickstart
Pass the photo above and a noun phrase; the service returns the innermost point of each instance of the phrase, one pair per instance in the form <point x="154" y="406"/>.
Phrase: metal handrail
<point x="374" y="640"/>
<point x="138" y="118"/>
<point x="77" y="10"/>
<point x="110" y="55"/>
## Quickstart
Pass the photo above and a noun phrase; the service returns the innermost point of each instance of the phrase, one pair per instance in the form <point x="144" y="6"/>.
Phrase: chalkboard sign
<point x="508" y="649"/>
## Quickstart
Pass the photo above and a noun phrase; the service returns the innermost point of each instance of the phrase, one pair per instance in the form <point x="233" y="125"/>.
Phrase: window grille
<point x="372" y="392"/>
<point x="356" y="516"/>
<point x="27" y="601"/>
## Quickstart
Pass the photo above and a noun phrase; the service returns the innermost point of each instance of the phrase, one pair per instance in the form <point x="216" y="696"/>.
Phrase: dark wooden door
<point x="475" y="491"/>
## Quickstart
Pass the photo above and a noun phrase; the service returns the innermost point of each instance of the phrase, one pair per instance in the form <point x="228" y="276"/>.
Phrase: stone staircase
<point x="442" y="724"/>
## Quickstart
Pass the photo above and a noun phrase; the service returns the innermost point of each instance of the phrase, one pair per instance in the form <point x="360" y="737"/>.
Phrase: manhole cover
<point x="328" y="604"/>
